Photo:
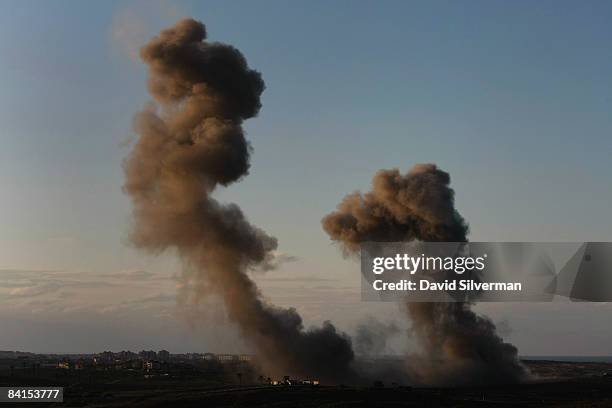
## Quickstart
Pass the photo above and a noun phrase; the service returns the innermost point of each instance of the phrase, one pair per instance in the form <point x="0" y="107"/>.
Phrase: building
<point x="107" y="356"/>
<point x="163" y="355"/>
<point x="148" y="355"/>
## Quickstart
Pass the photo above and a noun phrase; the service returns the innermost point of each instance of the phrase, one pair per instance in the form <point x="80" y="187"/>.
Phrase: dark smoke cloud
<point x="418" y="205"/>
<point x="190" y="142"/>
<point x="458" y="345"/>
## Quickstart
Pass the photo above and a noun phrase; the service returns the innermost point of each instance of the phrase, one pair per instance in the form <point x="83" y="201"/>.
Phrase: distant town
<point x="147" y="364"/>
<point x="151" y="379"/>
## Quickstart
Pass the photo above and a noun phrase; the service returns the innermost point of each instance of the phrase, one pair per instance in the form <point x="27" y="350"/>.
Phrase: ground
<point x="560" y="384"/>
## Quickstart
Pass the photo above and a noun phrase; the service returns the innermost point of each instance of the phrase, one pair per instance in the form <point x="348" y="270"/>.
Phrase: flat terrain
<point x="560" y="384"/>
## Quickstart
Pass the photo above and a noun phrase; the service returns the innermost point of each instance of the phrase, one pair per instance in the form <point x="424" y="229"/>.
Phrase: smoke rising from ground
<point x="371" y="337"/>
<point x="191" y="141"/>
<point x="458" y="346"/>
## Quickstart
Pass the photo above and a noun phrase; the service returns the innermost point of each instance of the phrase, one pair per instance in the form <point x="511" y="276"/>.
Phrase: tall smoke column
<point x="190" y="143"/>
<point x="459" y="346"/>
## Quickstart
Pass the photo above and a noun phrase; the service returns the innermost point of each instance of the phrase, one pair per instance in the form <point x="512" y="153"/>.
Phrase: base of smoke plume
<point x="415" y="371"/>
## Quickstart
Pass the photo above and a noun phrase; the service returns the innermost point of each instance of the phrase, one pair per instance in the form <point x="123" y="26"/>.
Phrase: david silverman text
<point x="463" y="284"/>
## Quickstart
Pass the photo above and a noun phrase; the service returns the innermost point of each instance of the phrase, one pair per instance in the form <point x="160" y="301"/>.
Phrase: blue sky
<point x="512" y="98"/>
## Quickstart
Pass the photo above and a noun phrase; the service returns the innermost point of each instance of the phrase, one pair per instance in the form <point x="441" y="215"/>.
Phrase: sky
<point x="513" y="99"/>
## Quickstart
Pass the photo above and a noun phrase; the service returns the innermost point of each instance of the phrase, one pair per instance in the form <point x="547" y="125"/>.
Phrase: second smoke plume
<point x="459" y="347"/>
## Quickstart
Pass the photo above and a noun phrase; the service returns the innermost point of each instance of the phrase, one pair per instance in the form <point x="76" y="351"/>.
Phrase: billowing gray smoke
<point x="190" y="142"/>
<point x="459" y="347"/>
<point x="372" y="335"/>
